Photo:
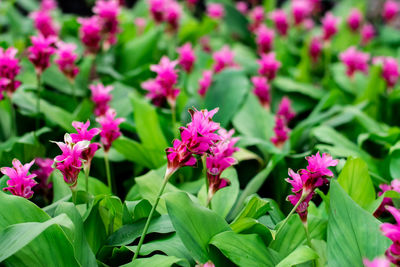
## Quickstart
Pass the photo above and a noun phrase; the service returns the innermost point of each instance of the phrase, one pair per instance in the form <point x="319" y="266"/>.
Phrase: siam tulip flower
<point x="101" y="97"/>
<point x="44" y="172"/>
<point x="264" y="39"/>
<point x="48" y="5"/>
<point x="280" y="20"/>
<point x="285" y="110"/>
<point x="269" y="66"/>
<point x="43" y="22"/>
<point x="192" y="2"/>
<point x="354" y="60"/>
<point x="40" y="51"/>
<point x="354" y="20"/>
<point x="205" y="82"/>
<point x="157" y="8"/>
<point x="281" y="132"/>
<point x="301" y="10"/>
<point x="223" y="58"/>
<point x="140" y="24"/>
<point x="69" y="163"/>
<point x="187" y="57"/>
<point x="390" y="71"/>
<point x="109" y="128"/>
<point x="308" y="24"/>
<point x="156" y="92"/>
<point x="215" y="11"/>
<point x="205" y="44"/>
<point x="262" y="90"/>
<point x="377" y="262"/>
<point x="9" y="69"/>
<point x="242" y="7"/>
<point x="107" y="11"/>
<point x="367" y="34"/>
<point x="318" y="166"/>
<point x="329" y="26"/>
<point x="315" y="49"/>
<point x="173" y="12"/>
<point x="20" y="182"/>
<point x="90" y="33"/>
<point x="392" y="231"/>
<point x="315" y="5"/>
<point x="390" y="10"/>
<point x="387" y="201"/>
<point x="66" y="58"/>
<point x="257" y="18"/>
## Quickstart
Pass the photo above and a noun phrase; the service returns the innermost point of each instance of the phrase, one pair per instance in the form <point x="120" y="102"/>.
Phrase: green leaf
<point x="353" y="233"/>
<point x="290" y="86"/>
<point x="243" y="250"/>
<point x="135" y="210"/>
<point x="356" y="182"/>
<point x="157" y="260"/>
<point x="255" y="208"/>
<point x="194" y="224"/>
<point x="300" y="255"/>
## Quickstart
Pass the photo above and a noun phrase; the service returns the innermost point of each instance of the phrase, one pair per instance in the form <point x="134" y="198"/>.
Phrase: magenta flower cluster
<point x="283" y="116"/>
<point x="40" y="51"/>
<point x="355" y="61"/>
<point x="168" y="11"/>
<point x="392" y="231"/>
<point x="20" y="182"/>
<point x="9" y="69"/>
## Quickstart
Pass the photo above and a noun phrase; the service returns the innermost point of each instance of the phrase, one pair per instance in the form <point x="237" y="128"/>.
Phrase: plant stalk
<point x="305" y="224"/>
<point x="39" y="89"/>
<point x="303" y="196"/>
<point x="107" y="164"/>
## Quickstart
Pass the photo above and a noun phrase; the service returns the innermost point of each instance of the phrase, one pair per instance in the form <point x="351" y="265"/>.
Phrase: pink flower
<point x="40" y="51"/>
<point x="355" y="19"/>
<point x="205" y="82"/>
<point x="179" y="156"/>
<point x="90" y="33"/>
<point x="264" y="39"/>
<point x="354" y="60"/>
<point x="392" y="231"/>
<point x="43" y="22"/>
<point x="44" y="172"/>
<point x="107" y="11"/>
<point x="69" y="163"/>
<point x="187" y="57"/>
<point x="223" y="58"/>
<point x="166" y="73"/>
<point x="242" y="7"/>
<point x="109" y="128"/>
<point x="390" y="70"/>
<point x="66" y="58"/>
<point x="261" y="90"/>
<point x="315" y="49"/>
<point x="20" y="183"/>
<point x="367" y="34"/>
<point x="280" y="21"/>
<point x="9" y="69"/>
<point x="83" y="134"/>
<point x="173" y="13"/>
<point x="269" y="66"/>
<point x="377" y="262"/>
<point x="205" y="44"/>
<point x="157" y="8"/>
<point x="390" y="10"/>
<point x="215" y="11"/>
<point x="329" y="26"/>
<point x="387" y="201"/>
<point x="48" y="5"/>
<point x="257" y="17"/>
<point x="308" y="24"/>
<point x="281" y="132"/>
<point x="101" y="97"/>
<point x="301" y="10"/>
<point x="285" y="110"/>
<point x="318" y="165"/>
<point x="156" y="92"/>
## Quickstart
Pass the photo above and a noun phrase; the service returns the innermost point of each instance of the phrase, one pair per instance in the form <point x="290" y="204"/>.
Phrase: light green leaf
<point x="300" y="255"/>
<point x="157" y="260"/>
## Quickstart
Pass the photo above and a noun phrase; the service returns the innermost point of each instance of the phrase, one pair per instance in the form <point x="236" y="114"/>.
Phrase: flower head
<point x="20" y="183"/>
<point x="281" y="132"/>
<point x="109" y="128"/>
<point x="166" y="73"/>
<point x="354" y="19"/>
<point x="43" y="22"/>
<point x="242" y="7"/>
<point x="205" y="82"/>
<point x="48" y="5"/>
<point x="90" y="33"/>
<point x="329" y="26"/>
<point x="66" y="58"/>
<point x="257" y="17"/>
<point x="390" y="10"/>
<point x="280" y="20"/>
<point x="285" y="110"/>
<point x="387" y="201"/>
<point x="157" y="8"/>
<point x="377" y="262"/>
<point x="40" y="51"/>
<point x="367" y="34"/>
<point x="301" y="10"/>
<point x="392" y="231"/>
<point x="354" y="60"/>
<point x="187" y="57"/>
<point x="315" y="49"/>
<point x="101" y="97"/>
<point x="390" y="70"/>
<point x="9" y="69"/>
<point x="215" y="11"/>
<point x="269" y="66"/>
<point x="107" y="11"/>
<point x="173" y="12"/>
<point x="262" y="90"/>
<point x="223" y="58"/>
<point x="83" y="134"/>
<point x="319" y="165"/>
<point x="264" y="39"/>
<point x="44" y="172"/>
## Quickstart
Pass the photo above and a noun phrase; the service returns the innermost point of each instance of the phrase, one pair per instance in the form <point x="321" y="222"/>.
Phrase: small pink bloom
<point x="390" y="10"/>
<point x="43" y="22"/>
<point x="257" y="17"/>
<point x="269" y="66"/>
<point x="308" y="24"/>
<point x="140" y="25"/>
<point x="301" y="10"/>
<point x="377" y="262"/>
<point x="242" y="7"/>
<point x="173" y="13"/>
<point x="205" y="44"/>
<point x="264" y="39"/>
<point x="223" y="58"/>
<point x="215" y="11"/>
<point x="90" y="33"/>
<point x="109" y="128"/>
<point x="44" y="172"/>
<point x="367" y="34"/>
<point x="9" y="69"/>
<point x="281" y="132"/>
<point x="390" y="70"/>
<point x="285" y="110"/>
<point x="329" y="26"/>
<point x="101" y="97"/>
<point x="83" y="134"/>
<point x="156" y="92"/>
<point x="205" y="82"/>
<point x="392" y="231"/>
<point x="157" y="8"/>
<point x="20" y="183"/>
<point x="179" y="156"/>
<point x="319" y="165"/>
<point x="387" y="201"/>
<point x="262" y="90"/>
<point x="354" y="60"/>
<point x="187" y="57"/>
<point x="107" y="11"/>
<point x="40" y="51"/>
<point x="66" y="58"/>
<point x="280" y="20"/>
<point x="48" y="5"/>
<point x="315" y="49"/>
<point x="354" y="20"/>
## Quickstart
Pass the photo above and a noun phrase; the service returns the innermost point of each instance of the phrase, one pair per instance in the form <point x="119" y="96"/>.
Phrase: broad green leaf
<point x="300" y="255"/>
<point x="356" y="182"/>
<point x="159" y="261"/>
<point x="290" y="86"/>
<point x="194" y="224"/>
<point x="135" y="210"/>
<point x="353" y="233"/>
<point x="255" y="208"/>
<point x="249" y="225"/>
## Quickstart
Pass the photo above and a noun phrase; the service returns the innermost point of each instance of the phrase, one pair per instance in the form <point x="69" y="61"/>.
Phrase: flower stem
<point x="303" y="196"/>
<point x="107" y="164"/>
<point x="173" y="113"/>
<point x="74" y="194"/>
<point x="146" y="226"/>
<point x="72" y="85"/>
<point x="305" y="224"/>
<point x="86" y="171"/>
<point x="13" y="117"/>
<point x="38" y="91"/>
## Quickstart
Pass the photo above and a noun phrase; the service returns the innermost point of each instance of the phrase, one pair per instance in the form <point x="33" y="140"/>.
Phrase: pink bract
<point x="367" y="34"/>
<point x="44" y="171"/>
<point x="264" y="39"/>
<point x="43" y="22"/>
<point x="9" y="69"/>
<point x="205" y="82"/>
<point x="90" y="33"/>
<point x="109" y="128"/>
<point x="354" y="20"/>
<point x="315" y="49"/>
<point x="392" y="231"/>
<point x="187" y="57"/>
<point x="280" y="20"/>
<point x="390" y="10"/>
<point x="329" y="26"/>
<point x="215" y="11"/>
<point x="354" y="60"/>
<point x="223" y="58"/>
<point x="269" y="66"/>
<point x="377" y="262"/>
<point x="101" y="97"/>
<point x="20" y="182"/>
<point x="301" y="10"/>
<point x="285" y="110"/>
<point x="262" y="90"/>
<point x="66" y="58"/>
<point x="40" y="51"/>
<point x="242" y="7"/>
